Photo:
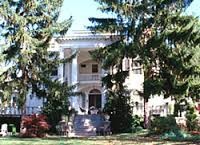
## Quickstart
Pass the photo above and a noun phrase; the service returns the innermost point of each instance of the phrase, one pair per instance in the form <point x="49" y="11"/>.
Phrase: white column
<point x="74" y="70"/>
<point x="103" y="97"/>
<point x="68" y="66"/>
<point x="74" y="80"/>
<point x="103" y="90"/>
<point x="67" y="74"/>
<point x="60" y="68"/>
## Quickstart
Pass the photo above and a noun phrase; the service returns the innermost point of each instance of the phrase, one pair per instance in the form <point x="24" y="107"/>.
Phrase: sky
<point x="81" y="10"/>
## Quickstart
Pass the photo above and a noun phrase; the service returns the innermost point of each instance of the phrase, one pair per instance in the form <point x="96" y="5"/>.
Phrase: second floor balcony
<point x="89" y="71"/>
<point x="89" y="77"/>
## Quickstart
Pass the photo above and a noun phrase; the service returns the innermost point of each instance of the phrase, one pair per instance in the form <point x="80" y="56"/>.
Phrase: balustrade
<point x="19" y="111"/>
<point x="89" y="77"/>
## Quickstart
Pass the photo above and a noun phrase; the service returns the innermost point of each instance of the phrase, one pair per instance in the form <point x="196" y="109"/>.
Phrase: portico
<point x="83" y="71"/>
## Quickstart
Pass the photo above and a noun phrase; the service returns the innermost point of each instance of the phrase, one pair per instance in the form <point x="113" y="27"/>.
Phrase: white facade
<point x="86" y="74"/>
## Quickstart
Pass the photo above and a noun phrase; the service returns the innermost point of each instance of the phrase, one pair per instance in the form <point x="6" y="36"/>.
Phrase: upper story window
<point x="83" y="65"/>
<point x="136" y="67"/>
<point x="53" y="55"/>
<point x="95" y="68"/>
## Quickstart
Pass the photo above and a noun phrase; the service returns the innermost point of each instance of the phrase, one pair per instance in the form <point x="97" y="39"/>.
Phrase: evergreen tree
<point x="27" y="27"/>
<point x="178" y="44"/>
<point x="159" y="34"/>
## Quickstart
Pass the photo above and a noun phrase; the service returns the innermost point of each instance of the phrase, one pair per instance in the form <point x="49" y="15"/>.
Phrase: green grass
<point x="120" y="139"/>
<point x="47" y="141"/>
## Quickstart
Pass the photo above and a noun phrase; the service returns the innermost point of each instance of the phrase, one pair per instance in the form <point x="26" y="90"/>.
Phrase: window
<point x="83" y="101"/>
<point x="83" y="65"/>
<point x="126" y="64"/>
<point x="14" y="101"/>
<point x="137" y="67"/>
<point x="136" y="64"/>
<point x="53" y="55"/>
<point x="94" y="68"/>
<point x="54" y="72"/>
<point x="64" y="66"/>
<point x="137" y="71"/>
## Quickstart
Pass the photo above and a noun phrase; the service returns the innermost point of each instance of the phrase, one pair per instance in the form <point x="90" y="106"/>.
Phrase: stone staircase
<point x="86" y="125"/>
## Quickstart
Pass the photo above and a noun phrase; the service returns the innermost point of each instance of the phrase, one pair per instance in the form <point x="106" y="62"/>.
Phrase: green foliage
<point x="176" y="135"/>
<point x="180" y="135"/>
<point x="192" y="119"/>
<point x="161" y="125"/>
<point x="34" y="126"/>
<point x="27" y="28"/>
<point x="164" y="40"/>
<point x="136" y="123"/>
<point x="118" y="108"/>
<point x="57" y="103"/>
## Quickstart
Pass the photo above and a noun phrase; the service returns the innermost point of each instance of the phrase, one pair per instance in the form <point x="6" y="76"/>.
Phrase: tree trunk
<point x="176" y="108"/>
<point x="146" y="113"/>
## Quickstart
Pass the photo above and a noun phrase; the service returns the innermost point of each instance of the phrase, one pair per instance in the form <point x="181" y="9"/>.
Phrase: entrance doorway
<point x="95" y="98"/>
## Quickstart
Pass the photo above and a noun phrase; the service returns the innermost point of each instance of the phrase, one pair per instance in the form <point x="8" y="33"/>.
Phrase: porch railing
<point x="153" y="110"/>
<point x="18" y="111"/>
<point x="90" y="77"/>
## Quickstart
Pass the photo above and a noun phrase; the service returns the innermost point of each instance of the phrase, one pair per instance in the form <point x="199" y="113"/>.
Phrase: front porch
<point x="93" y="98"/>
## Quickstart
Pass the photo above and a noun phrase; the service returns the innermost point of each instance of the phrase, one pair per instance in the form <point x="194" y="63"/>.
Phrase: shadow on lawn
<point x="139" y="138"/>
<point x="126" y="138"/>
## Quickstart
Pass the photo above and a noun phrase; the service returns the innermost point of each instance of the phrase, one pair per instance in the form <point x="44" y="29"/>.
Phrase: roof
<point x="87" y="35"/>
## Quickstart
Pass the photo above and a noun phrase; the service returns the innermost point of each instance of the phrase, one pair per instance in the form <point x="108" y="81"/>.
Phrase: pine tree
<point x="176" y="55"/>
<point x="27" y="28"/>
<point x="162" y="37"/>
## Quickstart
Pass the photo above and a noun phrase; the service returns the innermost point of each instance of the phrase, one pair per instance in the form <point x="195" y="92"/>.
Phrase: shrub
<point x="192" y="121"/>
<point x="120" y="114"/>
<point x="176" y="135"/>
<point x="34" y="126"/>
<point x="161" y="125"/>
<point x="136" y="123"/>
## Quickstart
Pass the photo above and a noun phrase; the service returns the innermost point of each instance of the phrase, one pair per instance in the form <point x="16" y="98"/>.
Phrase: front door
<point x="95" y="98"/>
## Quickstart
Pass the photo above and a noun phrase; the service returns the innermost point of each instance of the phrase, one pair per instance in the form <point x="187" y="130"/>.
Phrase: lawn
<point x="122" y="139"/>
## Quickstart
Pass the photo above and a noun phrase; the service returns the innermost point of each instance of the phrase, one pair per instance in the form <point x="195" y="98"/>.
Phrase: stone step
<point x="86" y="125"/>
<point x="85" y="134"/>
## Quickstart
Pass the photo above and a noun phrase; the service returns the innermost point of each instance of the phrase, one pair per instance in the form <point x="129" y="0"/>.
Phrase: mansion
<point x="86" y="74"/>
